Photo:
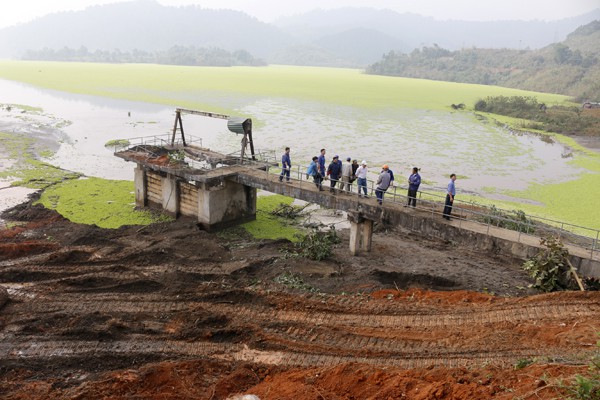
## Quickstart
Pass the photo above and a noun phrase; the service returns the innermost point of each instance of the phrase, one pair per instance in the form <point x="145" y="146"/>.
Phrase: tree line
<point x="176" y="55"/>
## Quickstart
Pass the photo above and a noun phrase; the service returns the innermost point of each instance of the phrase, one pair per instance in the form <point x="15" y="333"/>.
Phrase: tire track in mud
<point x="511" y="314"/>
<point x="45" y="350"/>
<point x="308" y="338"/>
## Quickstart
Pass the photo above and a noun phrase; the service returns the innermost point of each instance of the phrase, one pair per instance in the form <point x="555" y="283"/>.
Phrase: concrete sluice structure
<point x="194" y="182"/>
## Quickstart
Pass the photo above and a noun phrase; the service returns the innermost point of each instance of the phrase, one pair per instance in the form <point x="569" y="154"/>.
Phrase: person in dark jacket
<point x="354" y="168"/>
<point x="414" y="181"/>
<point x="334" y="171"/>
<point x="313" y="170"/>
<point x="286" y="166"/>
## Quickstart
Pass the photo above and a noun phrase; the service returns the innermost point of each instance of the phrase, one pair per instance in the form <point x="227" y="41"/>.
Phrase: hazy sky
<point x="18" y="11"/>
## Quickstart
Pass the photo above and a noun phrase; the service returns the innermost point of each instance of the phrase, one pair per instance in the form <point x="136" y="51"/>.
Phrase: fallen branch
<point x="577" y="278"/>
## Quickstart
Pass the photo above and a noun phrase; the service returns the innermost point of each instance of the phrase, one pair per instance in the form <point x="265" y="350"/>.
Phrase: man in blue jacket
<point x="414" y="181"/>
<point x="286" y="166"/>
<point x="322" y="164"/>
<point x="451" y="192"/>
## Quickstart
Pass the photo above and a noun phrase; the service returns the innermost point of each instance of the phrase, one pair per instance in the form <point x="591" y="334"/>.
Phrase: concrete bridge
<point x="220" y="191"/>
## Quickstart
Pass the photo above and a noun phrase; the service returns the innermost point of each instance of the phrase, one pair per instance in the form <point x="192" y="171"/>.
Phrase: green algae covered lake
<point x="397" y="121"/>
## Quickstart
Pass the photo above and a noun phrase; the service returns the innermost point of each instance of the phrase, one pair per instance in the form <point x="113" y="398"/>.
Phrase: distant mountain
<point x="416" y="31"/>
<point x="359" y="45"/>
<point x="350" y="37"/>
<point x="144" y="25"/>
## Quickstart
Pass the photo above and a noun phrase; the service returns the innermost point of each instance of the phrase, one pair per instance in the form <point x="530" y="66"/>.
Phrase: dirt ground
<point x="171" y="312"/>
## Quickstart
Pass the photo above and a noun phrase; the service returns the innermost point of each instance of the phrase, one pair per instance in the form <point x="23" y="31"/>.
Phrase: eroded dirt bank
<point x="171" y="312"/>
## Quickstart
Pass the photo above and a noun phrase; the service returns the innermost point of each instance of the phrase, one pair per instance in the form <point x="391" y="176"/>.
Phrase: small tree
<point x="549" y="267"/>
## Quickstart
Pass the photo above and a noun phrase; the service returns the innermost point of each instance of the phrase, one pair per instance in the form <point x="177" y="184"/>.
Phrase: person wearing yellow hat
<point x="383" y="183"/>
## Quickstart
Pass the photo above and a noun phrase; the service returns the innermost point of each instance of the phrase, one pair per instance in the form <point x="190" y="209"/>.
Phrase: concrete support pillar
<point x="225" y="203"/>
<point x="367" y="235"/>
<point x="141" y="187"/>
<point x="361" y="233"/>
<point x="170" y="195"/>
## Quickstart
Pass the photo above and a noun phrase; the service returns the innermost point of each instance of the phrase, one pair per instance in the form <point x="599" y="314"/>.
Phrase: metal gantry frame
<point x="238" y="125"/>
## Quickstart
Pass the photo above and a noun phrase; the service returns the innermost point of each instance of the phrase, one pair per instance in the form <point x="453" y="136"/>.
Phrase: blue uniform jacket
<point x="286" y="162"/>
<point x="414" y="181"/>
<point x="322" y="164"/>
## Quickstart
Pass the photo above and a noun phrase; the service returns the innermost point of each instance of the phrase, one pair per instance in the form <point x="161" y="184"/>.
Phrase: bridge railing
<point x="526" y="225"/>
<point x="155" y="140"/>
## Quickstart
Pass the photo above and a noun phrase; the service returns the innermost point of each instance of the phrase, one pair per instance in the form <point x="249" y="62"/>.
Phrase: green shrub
<point x="549" y="267"/>
<point x="515" y="221"/>
<point x="317" y="245"/>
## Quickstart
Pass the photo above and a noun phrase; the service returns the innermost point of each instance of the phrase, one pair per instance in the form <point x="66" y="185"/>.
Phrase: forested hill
<point x="571" y="67"/>
<point x="147" y="31"/>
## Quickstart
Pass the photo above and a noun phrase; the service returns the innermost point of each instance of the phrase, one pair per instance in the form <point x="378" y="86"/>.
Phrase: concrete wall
<point x="227" y="204"/>
<point x="435" y="227"/>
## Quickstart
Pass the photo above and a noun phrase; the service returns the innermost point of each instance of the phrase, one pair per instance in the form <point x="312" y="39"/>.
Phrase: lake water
<point x="486" y="158"/>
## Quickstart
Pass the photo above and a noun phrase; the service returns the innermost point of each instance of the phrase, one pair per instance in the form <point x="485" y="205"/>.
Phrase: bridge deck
<point x="390" y="211"/>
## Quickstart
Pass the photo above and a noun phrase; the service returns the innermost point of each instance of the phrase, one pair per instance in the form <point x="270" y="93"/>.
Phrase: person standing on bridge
<point x="450" y="194"/>
<point x="286" y="166"/>
<point x="389" y="171"/>
<point x="361" y="176"/>
<point x="383" y="183"/>
<point x="414" y="181"/>
<point x="322" y="170"/>
<point x="354" y="168"/>
<point x="313" y="170"/>
<point x="346" y="174"/>
<point x="335" y="172"/>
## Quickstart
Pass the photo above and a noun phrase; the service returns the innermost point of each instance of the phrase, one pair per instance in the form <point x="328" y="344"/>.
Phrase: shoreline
<point x="591" y="143"/>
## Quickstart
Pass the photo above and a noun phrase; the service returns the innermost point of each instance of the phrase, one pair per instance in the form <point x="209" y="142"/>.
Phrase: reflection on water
<point x="484" y="156"/>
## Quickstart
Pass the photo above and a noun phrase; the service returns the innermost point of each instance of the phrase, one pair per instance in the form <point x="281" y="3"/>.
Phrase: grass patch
<point x="269" y="226"/>
<point x="28" y="171"/>
<point x="96" y="201"/>
<point x="15" y="145"/>
<point x="117" y="143"/>
<point x="566" y="201"/>
<point x="40" y="175"/>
